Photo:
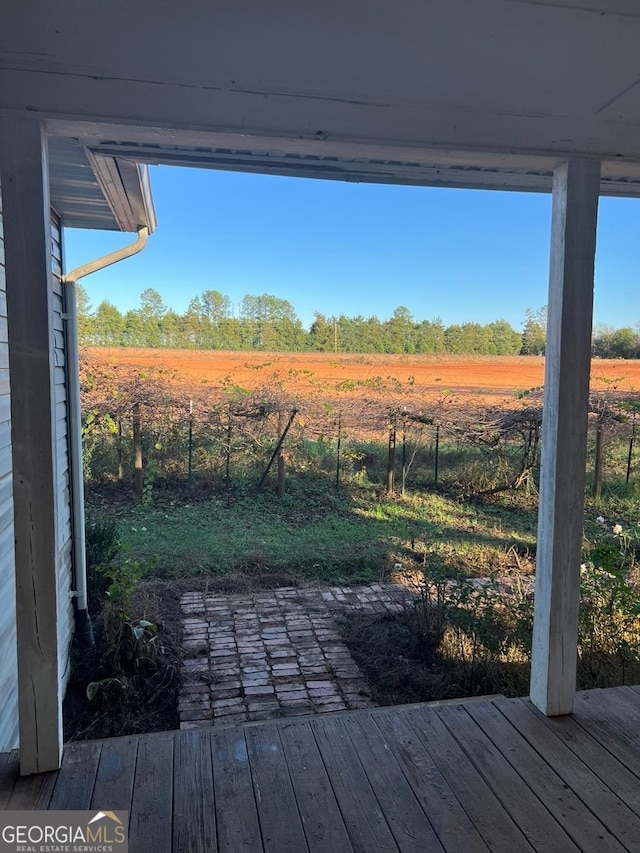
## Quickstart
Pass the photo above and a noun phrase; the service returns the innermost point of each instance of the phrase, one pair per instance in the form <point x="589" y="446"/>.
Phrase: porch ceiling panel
<point x="531" y="76"/>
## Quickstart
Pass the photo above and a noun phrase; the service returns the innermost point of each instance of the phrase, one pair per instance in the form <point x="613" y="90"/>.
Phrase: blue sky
<point x="461" y="255"/>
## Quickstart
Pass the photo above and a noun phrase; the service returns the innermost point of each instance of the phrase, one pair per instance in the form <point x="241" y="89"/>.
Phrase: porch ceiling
<point x="487" y="93"/>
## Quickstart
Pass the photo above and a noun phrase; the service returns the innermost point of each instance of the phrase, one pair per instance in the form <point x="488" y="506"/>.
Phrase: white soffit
<point x="98" y="191"/>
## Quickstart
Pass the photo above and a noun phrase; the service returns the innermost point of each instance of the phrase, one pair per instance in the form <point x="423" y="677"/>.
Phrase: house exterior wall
<point x="8" y="651"/>
<point x="63" y="491"/>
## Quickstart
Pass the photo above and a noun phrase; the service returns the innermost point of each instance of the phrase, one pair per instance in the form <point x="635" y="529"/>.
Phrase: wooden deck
<point x="465" y="778"/>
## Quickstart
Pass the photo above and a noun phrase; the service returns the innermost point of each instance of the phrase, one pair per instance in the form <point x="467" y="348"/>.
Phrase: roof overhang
<point x="98" y="190"/>
<point x="332" y="160"/>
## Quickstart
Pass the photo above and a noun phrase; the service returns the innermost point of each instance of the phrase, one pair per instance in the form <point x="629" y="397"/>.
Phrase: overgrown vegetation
<point x="129" y="681"/>
<point x="466" y="637"/>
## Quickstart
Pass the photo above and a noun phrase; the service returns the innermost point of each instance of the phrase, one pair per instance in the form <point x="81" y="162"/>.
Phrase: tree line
<point x="267" y="322"/>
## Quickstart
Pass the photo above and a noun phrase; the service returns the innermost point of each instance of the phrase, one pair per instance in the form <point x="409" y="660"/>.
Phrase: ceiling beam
<point x="169" y="106"/>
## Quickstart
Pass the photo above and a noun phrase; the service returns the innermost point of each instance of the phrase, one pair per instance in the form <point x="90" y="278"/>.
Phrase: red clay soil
<point x="494" y="377"/>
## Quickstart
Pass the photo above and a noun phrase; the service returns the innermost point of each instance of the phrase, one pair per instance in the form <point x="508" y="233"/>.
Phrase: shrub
<point x="609" y="624"/>
<point x="102" y="544"/>
<point x="477" y="630"/>
<point x="483" y="628"/>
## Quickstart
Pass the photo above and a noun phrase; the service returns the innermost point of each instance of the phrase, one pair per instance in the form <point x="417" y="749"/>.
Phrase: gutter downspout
<point x="84" y="631"/>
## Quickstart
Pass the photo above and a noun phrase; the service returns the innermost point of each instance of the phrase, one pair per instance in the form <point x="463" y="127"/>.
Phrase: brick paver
<point x="273" y="654"/>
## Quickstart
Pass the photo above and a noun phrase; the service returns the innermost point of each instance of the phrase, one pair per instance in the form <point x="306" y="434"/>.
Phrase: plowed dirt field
<point x="493" y="378"/>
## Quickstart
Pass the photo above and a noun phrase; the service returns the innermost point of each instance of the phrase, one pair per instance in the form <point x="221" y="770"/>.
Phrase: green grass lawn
<point x="313" y="533"/>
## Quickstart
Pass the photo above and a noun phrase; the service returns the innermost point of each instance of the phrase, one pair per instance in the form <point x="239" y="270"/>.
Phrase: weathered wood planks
<point x="482" y="777"/>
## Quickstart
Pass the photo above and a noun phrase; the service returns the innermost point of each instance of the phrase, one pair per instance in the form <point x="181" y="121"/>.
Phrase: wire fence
<point x="145" y="431"/>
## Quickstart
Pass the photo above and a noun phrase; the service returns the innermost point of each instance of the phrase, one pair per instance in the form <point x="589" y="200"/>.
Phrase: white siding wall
<point x="8" y="653"/>
<point x="63" y="568"/>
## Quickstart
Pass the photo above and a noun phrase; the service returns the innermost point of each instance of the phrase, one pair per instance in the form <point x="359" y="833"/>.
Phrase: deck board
<point x="619" y="779"/>
<point x="32" y="792"/>
<point x="597" y="796"/>
<point x="556" y="793"/>
<point x="613" y="723"/>
<point x="9" y="764"/>
<point x="492" y="776"/>
<point x="76" y="778"/>
<point x="151" y="818"/>
<point x="516" y="789"/>
<point x="362" y="812"/>
<point x="115" y="774"/>
<point x="489" y="816"/>
<point x="237" y="815"/>
<point x="194" y="821"/>
<point x="280" y="821"/>
<point x="453" y="826"/>
<point x="412" y="831"/>
<point x="323" y="825"/>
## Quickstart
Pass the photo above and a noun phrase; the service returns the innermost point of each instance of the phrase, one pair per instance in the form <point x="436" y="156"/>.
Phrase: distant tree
<point x="624" y="343"/>
<point x="534" y="335"/>
<point x="170" y="330"/>
<point x="108" y="325"/>
<point x="85" y="318"/>
<point x="215" y="306"/>
<point x="135" y="332"/>
<point x="321" y="333"/>
<point x="615" y="343"/>
<point x="399" y="332"/>
<point x="468" y="339"/>
<point x="269" y="322"/>
<point x="214" y="309"/>
<point x="454" y="338"/>
<point x="230" y="334"/>
<point x="372" y="334"/>
<point x="503" y="338"/>
<point x="477" y="338"/>
<point x="152" y="312"/>
<point x="151" y="304"/>
<point x="192" y="331"/>
<point x="430" y="336"/>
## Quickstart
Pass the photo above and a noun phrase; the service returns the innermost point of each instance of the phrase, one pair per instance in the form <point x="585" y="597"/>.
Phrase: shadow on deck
<point x="489" y="775"/>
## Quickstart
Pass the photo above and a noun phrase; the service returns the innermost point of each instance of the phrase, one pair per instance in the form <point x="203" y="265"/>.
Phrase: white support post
<point x="564" y="435"/>
<point x="27" y="230"/>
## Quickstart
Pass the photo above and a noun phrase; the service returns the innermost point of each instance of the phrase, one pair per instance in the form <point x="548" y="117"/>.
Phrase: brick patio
<point x="274" y="654"/>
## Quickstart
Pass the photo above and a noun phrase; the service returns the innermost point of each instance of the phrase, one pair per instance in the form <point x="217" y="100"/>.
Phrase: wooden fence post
<point x="404" y="455"/>
<point x="119" y="447"/>
<point x="338" y="453"/>
<point x="598" y="468"/>
<point x="629" y="457"/>
<point x="391" y="457"/>
<point x="276" y="452"/>
<point x="190" y="451"/>
<point x="137" y="450"/>
<point x="227" y="472"/>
